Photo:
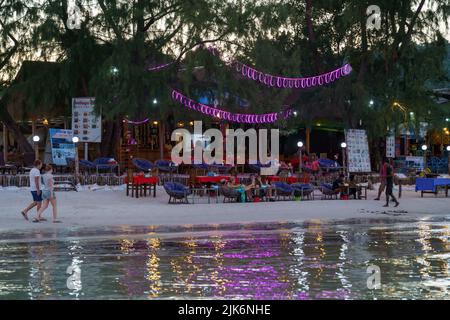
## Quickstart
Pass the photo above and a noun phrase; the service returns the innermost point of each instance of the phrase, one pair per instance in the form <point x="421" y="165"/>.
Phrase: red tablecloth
<point x="211" y="179"/>
<point x="143" y="180"/>
<point x="289" y="180"/>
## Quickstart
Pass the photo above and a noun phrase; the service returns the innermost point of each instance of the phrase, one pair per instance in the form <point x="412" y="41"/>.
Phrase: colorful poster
<point x="390" y="147"/>
<point x="62" y="146"/>
<point x="358" y="157"/>
<point x="85" y="124"/>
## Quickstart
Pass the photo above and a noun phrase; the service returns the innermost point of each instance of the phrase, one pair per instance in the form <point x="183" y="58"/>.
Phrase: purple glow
<point x="160" y="67"/>
<point x="285" y="82"/>
<point x="137" y="122"/>
<point x="221" y="114"/>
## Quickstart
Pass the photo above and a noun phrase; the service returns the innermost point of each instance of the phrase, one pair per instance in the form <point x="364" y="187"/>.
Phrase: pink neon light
<point x="285" y="82"/>
<point x="222" y="114"/>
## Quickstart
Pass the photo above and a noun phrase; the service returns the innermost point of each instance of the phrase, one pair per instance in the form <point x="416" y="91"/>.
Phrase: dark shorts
<point x="36" y="197"/>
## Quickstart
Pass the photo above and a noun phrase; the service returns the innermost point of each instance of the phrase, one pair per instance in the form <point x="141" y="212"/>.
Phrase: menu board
<point x="390" y="147"/>
<point x="62" y="145"/>
<point x="85" y="124"/>
<point x="357" y="151"/>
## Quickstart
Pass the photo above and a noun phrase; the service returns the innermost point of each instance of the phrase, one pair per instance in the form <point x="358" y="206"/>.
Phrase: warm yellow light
<point x="155" y="123"/>
<point x="191" y="123"/>
<point x="45" y="122"/>
<point x="181" y="124"/>
<point x="319" y="124"/>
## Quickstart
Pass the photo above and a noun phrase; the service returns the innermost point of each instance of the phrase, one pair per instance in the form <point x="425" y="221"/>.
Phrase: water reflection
<point x="314" y="260"/>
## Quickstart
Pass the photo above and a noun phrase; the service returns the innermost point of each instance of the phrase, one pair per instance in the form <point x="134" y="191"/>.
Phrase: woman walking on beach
<point x="48" y="195"/>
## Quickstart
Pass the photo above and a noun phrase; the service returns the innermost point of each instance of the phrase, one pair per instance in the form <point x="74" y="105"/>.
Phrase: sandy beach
<point x="111" y="207"/>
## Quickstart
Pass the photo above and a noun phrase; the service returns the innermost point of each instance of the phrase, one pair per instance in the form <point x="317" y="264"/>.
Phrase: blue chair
<point x="283" y="190"/>
<point x="198" y="169"/>
<point x="103" y="164"/>
<point x="303" y="190"/>
<point x="220" y="168"/>
<point x="87" y="165"/>
<point x="328" y="165"/>
<point x="143" y="164"/>
<point x="256" y="167"/>
<point x="328" y="192"/>
<point x="177" y="192"/>
<point x="166" y="166"/>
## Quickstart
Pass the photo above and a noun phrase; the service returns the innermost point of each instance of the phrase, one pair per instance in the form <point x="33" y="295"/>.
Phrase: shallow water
<point x="313" y="260"/>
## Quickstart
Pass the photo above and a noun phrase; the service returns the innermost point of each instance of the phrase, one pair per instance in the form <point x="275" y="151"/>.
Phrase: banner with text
<point x="357" y="151"/>
<point x="85" y="124"/>
<point x="62" y="146"/>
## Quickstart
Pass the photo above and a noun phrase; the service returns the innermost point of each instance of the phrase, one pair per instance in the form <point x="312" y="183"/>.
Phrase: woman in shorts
<point x="48" y="195"/>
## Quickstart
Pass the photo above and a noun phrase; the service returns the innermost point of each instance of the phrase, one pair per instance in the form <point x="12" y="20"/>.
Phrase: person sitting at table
<point x="264" y="188"/>
<point x="250" y="188"/>
<point x="339" y="184"/>
<point x="233" y="183"/>
<point x="354" y="189"/>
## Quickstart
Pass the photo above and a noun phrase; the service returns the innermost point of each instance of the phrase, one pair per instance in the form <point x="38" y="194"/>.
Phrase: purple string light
<point x="284" y="82"/>
<point x="225" y="115"/>
<point x="137" y="122"/>
<point x="160" y="67"/>
<point x="276" y="81"/>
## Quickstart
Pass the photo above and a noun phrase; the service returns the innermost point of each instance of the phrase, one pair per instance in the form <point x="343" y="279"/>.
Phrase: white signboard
<point x="85" y="124"/>
<point x="416" y="163"/>
<point x="357" y="151"/>
<point x="390" y="147"/>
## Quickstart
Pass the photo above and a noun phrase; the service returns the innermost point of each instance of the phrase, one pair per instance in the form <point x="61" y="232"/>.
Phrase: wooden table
<point x="140" y="184"/>
<point x="211" y="179"/>
<point x="432" y="185"/>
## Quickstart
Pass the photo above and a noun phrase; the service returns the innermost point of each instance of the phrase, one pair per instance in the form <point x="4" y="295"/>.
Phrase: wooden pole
<point x="308" y="139"/>
<point x="35" y="144"/>
<point x="5" y="143"/>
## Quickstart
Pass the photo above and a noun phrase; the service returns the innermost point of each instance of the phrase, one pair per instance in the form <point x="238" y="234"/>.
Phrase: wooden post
<point x="35" y="144"/>
<point x="308" y="139"/>
<point x="5" y="143"/>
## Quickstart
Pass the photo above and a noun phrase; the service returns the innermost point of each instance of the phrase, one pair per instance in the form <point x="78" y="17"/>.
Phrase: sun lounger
<point x="283" y="191"/>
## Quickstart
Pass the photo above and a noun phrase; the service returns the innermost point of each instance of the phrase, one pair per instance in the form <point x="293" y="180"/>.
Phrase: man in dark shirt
<point x="390" y="184"/>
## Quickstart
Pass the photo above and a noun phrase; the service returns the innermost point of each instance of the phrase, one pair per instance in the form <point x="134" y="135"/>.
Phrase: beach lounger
<point x="283" y="191"/>
<point x="304" y="190"/>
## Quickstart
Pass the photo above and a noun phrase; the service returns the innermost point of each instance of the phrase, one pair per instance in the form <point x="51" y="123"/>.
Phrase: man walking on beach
<point x="35" y="188"/>
<point x="382" y="179"/>
<point x="390" y="184"/>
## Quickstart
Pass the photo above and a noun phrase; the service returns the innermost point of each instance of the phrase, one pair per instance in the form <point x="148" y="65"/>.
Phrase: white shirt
<point x="33" y="174"/>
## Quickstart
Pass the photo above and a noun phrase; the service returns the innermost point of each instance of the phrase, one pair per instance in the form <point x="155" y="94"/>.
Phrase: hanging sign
<point x="390" y="147"/>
